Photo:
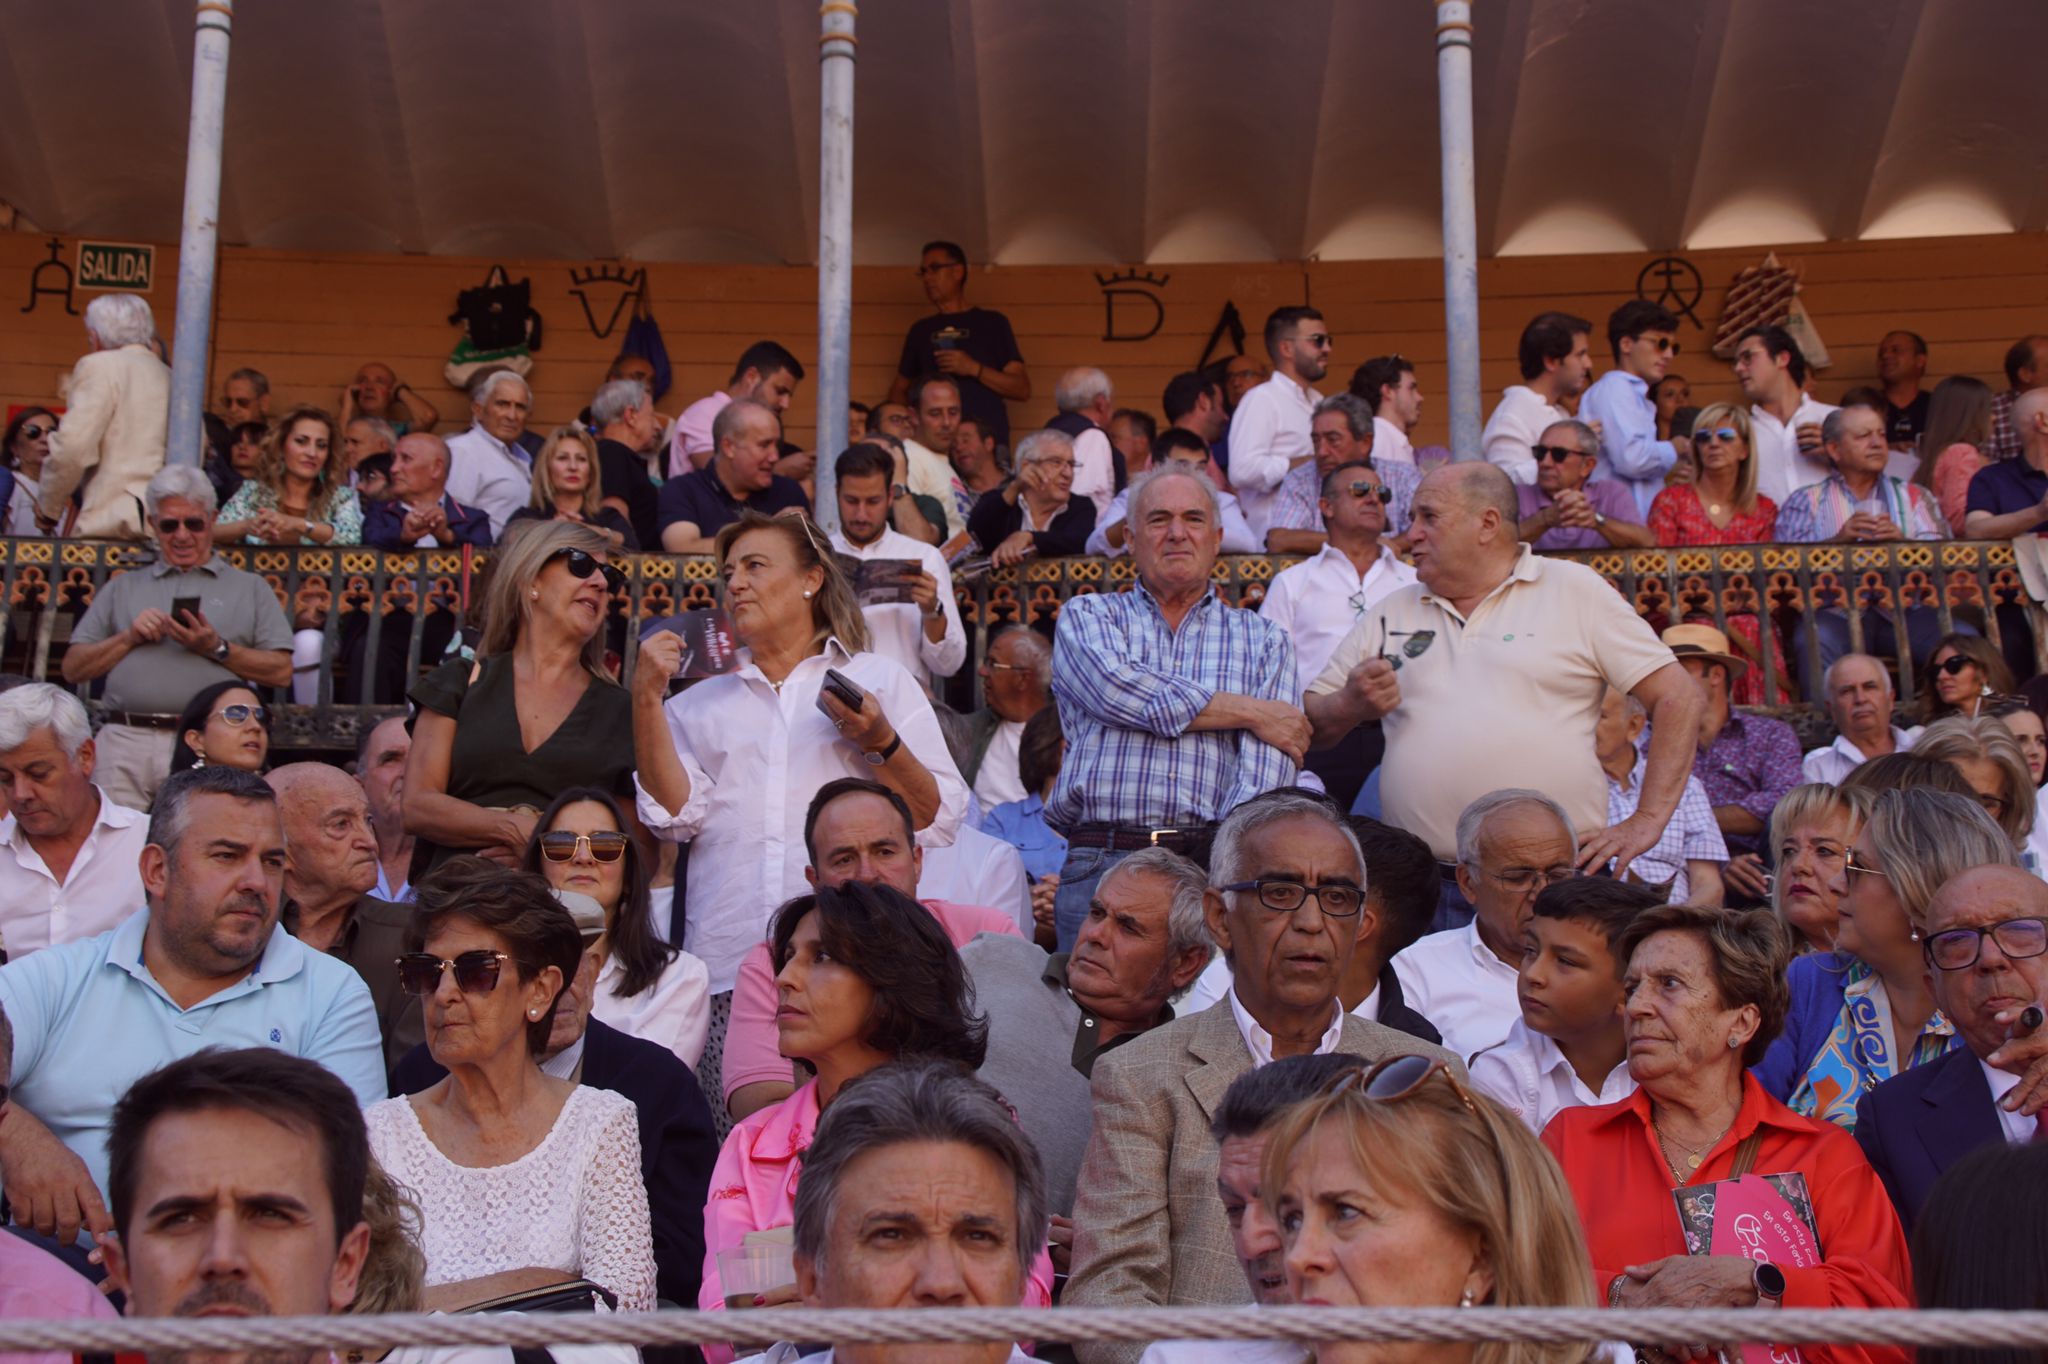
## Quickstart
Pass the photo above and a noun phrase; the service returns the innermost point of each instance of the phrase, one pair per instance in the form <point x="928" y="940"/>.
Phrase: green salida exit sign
<point x="116" y="265"/>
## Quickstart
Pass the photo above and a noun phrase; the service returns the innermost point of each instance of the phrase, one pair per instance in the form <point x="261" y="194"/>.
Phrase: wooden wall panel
<point x="308" y="320"/>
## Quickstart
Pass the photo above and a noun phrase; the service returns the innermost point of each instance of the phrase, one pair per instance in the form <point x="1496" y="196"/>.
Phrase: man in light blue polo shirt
<point x="205" y="964"/>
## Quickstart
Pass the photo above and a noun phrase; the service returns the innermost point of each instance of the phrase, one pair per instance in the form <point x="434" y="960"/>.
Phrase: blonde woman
<point x="1992" y="762"/>
<point x="1401" y="1186"/>
<point x="494" y="740"/>
<point x="300" y="495"/>
<point x="1721" y="506"/>
<point x="567" y="487"/>
<point x="1812" y="828"/>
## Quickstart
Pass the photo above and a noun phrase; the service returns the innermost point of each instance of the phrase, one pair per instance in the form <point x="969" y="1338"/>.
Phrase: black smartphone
<point x="837" y="684"/>
<point x="180" y="605"/>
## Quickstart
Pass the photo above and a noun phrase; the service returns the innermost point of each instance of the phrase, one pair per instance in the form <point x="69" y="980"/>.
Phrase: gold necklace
<point x="1692" y="1153"/>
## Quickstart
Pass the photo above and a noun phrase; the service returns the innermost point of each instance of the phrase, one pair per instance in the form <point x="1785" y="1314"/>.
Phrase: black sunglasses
<point x="34" y="432"/>
<point x="476" y="973"/>
<point x="168" y="525"/>
<point x="581" y="563"/>
<point x="1397" y="1078"/>
<point x="1555" y="453"/>
<point x="1362" y="490"/>
<point x="1954" y="664"/>
<point x="607" y="845"/>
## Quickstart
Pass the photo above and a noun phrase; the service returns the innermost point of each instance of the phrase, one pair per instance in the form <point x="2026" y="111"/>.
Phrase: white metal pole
<point x="198" y="241"/>
<point x="1461" y="221"/>
<point x="836" y="44"/>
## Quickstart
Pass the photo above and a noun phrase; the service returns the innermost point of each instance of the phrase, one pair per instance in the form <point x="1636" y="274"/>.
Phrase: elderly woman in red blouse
<point x="1705" y="994"/>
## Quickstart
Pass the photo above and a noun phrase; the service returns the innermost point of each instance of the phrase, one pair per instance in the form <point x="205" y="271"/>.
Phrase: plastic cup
<point x="751" y="1270"/>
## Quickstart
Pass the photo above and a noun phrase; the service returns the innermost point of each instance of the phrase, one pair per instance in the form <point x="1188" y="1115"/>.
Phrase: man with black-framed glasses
<point x="1985" y="938"/>
<point x="1644" y="339"/>
<point x="161" y="633"/>
<point x="1568" y="508"/>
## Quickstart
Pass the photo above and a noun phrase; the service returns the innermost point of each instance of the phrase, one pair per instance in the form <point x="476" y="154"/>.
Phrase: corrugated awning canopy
<point x="1034" y="131"/>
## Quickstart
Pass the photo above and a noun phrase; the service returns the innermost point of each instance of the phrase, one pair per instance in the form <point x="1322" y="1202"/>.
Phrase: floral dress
<point x="343" y="511"/>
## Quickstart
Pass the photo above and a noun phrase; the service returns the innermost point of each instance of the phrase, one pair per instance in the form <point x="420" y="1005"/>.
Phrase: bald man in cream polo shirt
<point x="1489" y="673"/>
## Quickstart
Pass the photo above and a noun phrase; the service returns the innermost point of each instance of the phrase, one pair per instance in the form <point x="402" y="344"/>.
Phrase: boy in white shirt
<point x="1568" y="1048"/>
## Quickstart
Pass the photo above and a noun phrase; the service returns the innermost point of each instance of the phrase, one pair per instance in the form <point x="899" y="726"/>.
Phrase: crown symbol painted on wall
<point x="1133" y="276"/>
<point x="604" y="274"/>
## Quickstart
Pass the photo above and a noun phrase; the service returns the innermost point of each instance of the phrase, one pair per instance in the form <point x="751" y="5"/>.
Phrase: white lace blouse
<point x="574" y="1203"/>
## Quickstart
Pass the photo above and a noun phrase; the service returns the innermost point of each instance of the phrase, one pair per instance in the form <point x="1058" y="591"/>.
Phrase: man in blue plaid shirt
<point x="1176" y="705"/>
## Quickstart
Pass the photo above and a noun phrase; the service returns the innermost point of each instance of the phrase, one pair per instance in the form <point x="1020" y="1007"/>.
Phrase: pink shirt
<point x="692" y="434"/>
<point x="37" y="1286"/>
<point x="753" y="1050"/>
<point x="753" y="1188"/>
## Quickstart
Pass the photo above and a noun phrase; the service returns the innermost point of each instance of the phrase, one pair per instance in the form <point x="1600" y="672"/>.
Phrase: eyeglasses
<point x="241" y="713"/>
<point x="1395" y="1079"/>
<point x="168" y="525"/>
<point x="1851" y="867"/>
<point x="1320" y="340"/>
<point x="1522" y="880"/>
<point x="1555" y="453"/>
<point x="581" y="563"/>
<point x="1336" y="899"/>
<point x="1050" y="463"/>
<point x="1664" y="344"/>
<point x="1954" y="664"/>
<point x="991" y="666"/>
<point x="1727" y="434"/>
<point x="606" y="845"/>
<point x="34" y="432"/>
<point x="1957" y="949"/>
<point x="476" y="973"/>
<point x="1362" y="490"/>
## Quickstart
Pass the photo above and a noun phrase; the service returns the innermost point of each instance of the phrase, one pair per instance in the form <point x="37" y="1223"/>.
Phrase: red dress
<point x="1623" y="1189"/>
<point x="1678" y="519"/>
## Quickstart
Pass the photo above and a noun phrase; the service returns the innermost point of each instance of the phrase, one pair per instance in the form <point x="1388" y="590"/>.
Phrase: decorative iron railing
<point x="372" y="605"/>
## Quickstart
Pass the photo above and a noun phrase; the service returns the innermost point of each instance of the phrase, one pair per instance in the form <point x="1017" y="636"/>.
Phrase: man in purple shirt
<point x="1570" y="509"/>
<point x="1746" y="762"/>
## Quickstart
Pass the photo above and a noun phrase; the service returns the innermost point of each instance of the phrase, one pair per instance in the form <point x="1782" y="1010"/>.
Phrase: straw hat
<point x="1704" y="641"/>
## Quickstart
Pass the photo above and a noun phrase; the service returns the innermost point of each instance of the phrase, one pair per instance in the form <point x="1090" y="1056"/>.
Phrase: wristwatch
<point x="219" y="652"/>
<point x="1599" y="519"/>
<point x="878" y="759"/>
<point x="1769" y="1281"/>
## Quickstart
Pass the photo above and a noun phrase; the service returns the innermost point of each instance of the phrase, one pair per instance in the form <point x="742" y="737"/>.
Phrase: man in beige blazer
<point x="1149" y="1228"/>
<point x="111" y="440"/>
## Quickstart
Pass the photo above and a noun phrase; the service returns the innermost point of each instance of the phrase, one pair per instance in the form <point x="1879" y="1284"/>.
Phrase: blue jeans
<point x="1453" y="910"/>
<point x="1079" y="875"/>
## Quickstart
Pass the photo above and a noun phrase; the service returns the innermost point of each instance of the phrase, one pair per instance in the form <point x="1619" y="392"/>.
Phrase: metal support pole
<point x="198" y="241"/>
<point x="835" y="243"/>
<point x="1461" y="221"/>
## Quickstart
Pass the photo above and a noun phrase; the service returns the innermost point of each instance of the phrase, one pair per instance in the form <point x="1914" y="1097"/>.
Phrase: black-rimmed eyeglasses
<point x="1338" y="899"/>
<point x="1957" y="949"/>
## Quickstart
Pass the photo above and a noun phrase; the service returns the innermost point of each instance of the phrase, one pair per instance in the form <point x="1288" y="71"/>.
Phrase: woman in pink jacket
<point x="864" y="976"/>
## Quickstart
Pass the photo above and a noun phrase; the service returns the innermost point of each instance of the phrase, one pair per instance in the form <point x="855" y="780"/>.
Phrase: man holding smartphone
<point x="162" y="632"/>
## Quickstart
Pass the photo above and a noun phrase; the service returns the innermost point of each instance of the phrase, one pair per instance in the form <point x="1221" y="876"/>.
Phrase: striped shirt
<point x="1818" y="511"/>
<point x="1128" y="688"/>
<point x="1691" y="835"/>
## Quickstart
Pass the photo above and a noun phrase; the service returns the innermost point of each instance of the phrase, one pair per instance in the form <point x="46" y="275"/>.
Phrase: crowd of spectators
<point x="1440" y="932"/>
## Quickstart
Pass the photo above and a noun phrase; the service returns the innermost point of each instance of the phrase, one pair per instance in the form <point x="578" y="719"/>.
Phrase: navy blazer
<point x="383" y="524"/>
<point x="1918" y="1123"/>
<point x="677" y="1144"/>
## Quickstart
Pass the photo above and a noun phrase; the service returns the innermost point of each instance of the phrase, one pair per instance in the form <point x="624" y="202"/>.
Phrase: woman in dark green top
<point x="495" y="740"/>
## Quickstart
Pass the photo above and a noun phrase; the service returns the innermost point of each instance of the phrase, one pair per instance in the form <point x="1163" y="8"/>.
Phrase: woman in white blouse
<point x="645" y="987"/>
<point x="730" y="764"/>
<point x="512" y="1169"/>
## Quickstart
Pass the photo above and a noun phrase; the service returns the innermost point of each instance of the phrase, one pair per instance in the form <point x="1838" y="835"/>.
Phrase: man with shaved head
<point x="1489" y="672"/>
<point x="330" y="870"/>
<point x="2009" y="497"/>
<point x="1985" y="939"/>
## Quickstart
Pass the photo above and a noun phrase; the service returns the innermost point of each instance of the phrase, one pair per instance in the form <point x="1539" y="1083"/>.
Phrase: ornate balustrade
<point x="361" y="596"/>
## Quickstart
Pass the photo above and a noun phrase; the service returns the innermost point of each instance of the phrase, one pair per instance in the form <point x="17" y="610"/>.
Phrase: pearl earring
<point x="807" y="596"/>
<point x="1466" y="1301"/>
<point x="534" y="594"/>
<point x="534" y="1014"/>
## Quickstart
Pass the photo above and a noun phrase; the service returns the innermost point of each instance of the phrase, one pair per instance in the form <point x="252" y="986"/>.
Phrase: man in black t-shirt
<point x="972" y="346"/>
<point x="1901" y="365"/>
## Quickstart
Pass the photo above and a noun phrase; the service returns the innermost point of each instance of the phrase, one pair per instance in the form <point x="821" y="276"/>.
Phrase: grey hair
<point x="1080" y="387"/>
<point x="1356" y="412"/>
<point x="486" y="386"/>
<point x="1922" y="837"/>
<point x="916" y="1101"/>
<point x="38" y="705"/>
<point x="1165" y="471"/>
<point x="120" y="320"/>
<point x="179" y="480"/>
<point x="1226" y="854"/>
<point x="1034" y="646"/>
<point x="616" y="399"/>
<point x="1472" y="822"/>
<point x="1186" y="925"/>
<point x="168" y="817"/>
<point x="1043" y="445"/>
<point x="1827" y="681"/>
<point x="254" y="378"/>
<point x="726" y="424"/>
<point x="1584" y="437"/>
<point x="379" y="428"/>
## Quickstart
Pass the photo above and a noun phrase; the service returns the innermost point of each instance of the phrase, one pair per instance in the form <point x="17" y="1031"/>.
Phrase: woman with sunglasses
<point x="536" y="713"/>
<point x="1961" y="672"/>
<point x="645" y="988"/>
<point x="1705" y="995"/>
<point x="566" y="487"/>
<point x="224" y="725"/>
<point x="865" y="976"/>
<point x="1865" y="1012"/>
<point x="1403" y="1187"/>
<point x="22" y="452"/>
<point x="512" y="1168"/>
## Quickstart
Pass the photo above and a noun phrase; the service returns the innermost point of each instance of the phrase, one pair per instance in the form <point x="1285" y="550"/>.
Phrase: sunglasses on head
<point x="1397" y="1078"/>
<point x="241" y="713"/>
<point x="34" y="432"/>
<point x="581" y="563"/>
<point x="1362" y="490"/>
<point x="1555" y="453"/>
<point x="607" y="845"/>
<point x="476" y="973"/>
<point x="169" y="525"/>
<point x="1720" y="433"/>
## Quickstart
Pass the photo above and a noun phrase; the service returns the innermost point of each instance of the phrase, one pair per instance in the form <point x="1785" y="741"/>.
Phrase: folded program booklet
<point x="1759" y="1217"/>
<point x="880" y="582"/>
